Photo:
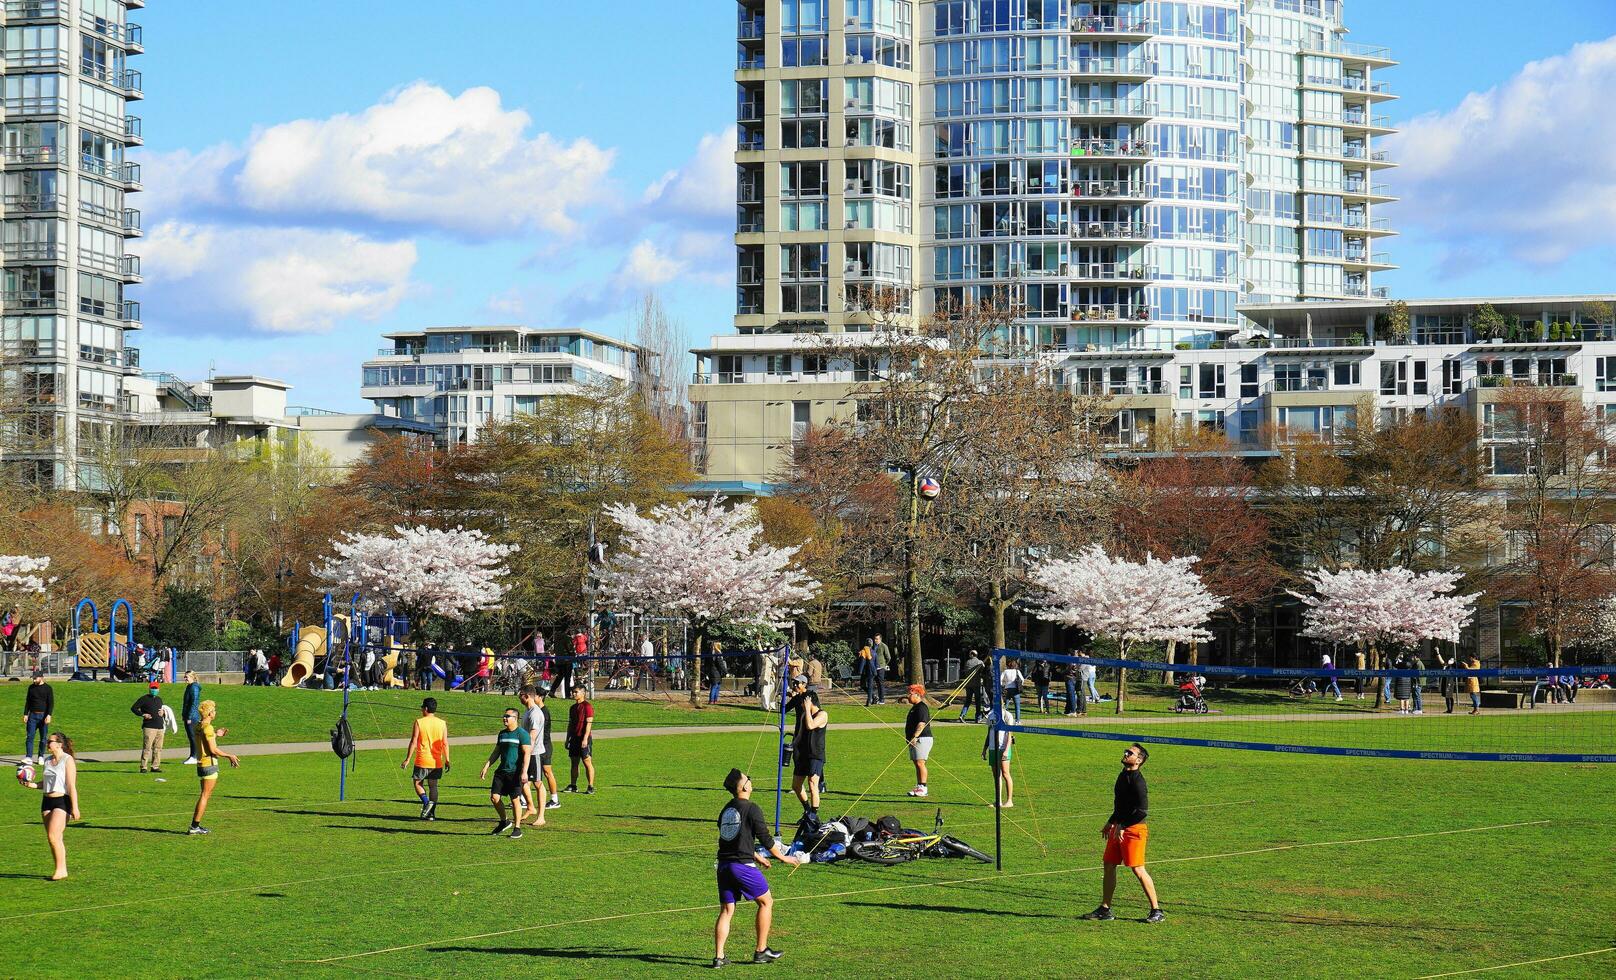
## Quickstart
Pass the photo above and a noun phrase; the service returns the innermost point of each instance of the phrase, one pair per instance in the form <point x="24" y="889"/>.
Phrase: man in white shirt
<point x="1088" y="672"/>
<point x="647" y="661"/>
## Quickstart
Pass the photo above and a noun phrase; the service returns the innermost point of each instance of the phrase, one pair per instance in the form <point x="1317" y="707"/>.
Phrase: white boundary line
<point x="1511" y="966"/>
<point x="924" y="884"/>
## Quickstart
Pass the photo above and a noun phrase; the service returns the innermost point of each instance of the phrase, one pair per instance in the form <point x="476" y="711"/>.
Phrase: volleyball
<point x="25" y="774"/>
<point x="930" y="488"/>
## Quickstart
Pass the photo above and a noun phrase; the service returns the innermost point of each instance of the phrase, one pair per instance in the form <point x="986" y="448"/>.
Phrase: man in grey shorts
<point x="917" y="732"/>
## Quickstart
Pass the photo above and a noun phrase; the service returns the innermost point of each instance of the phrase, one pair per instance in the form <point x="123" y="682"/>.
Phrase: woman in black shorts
<point x="60" y="784"/>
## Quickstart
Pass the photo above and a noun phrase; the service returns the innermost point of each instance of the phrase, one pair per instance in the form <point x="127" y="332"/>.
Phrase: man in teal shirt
<point x="512" y="748"/>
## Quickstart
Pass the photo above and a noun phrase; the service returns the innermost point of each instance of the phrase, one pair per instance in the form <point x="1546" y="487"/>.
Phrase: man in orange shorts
<point x="1125" y="835"/>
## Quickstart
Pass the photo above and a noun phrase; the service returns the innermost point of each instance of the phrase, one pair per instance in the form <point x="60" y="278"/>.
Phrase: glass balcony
<point x="1103" y="230"/>
<point x="36" y="10"/>
<point x="36" y="203"/>
<point x="130" y="267"/>
<point x="130" y="313"/>
<point x="131" y="130"/>
<point x="1114" y="66"/>
<point x="1129" y="26"/>
<point x="1130" y="108"/>
<point x="1134" y="149"/>
<point x="750" y="29"/>
<point x="131" y="221"/>
<point x="1110" y="190"/>
<point x="131" y="175"/>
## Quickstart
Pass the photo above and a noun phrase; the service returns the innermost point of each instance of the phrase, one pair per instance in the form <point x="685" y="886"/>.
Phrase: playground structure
<point x="95" y="650"/>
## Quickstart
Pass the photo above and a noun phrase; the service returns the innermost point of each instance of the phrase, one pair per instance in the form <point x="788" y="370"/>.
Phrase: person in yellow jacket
<point x="1473" y="685"/>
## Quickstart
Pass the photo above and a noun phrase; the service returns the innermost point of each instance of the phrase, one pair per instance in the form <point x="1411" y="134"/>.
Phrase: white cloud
<point x="421" y="157"/>
<point x="1521" y="169"/>
<point x="703" y="187"/>
<point x="278" y="280"/>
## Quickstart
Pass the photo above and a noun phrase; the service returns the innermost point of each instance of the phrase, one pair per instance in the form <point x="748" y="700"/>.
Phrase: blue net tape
<point x="1221" y="670"/>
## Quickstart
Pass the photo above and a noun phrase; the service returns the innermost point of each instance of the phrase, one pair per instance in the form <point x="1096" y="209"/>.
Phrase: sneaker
<point x="915" y="791"/>
<point x="517" y="833"/>
<point x="500" y="828"/>
<point x="1419" y="711"/>
<point x="590" y="791"/>
<point x="765" y="955"/>
<point x="719" y="962"/>
<point x="1155" y="916"/>
<point x="554" y="804"/>
<point x="1101" y="914"/>
<point x="1339" y="699"/>
<point x="197" y="830"/>
<point x="570" y="788"/>
<point x="431" y="811"/>
<point x="426" y="808"/>
<point x="190" y="761"/>
<point x="922" y="792"/>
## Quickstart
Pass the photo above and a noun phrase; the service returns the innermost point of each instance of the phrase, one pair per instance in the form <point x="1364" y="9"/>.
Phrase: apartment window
<point x="805" y="179"/>
<point x="778" y="365"/>
<point x="1422" y="384"/>
<point x="1453" y="380"/>
<point x="1394" y="377"/>
<point x="1186" y="382"/>
<point x="799" y="421"/>
<point x="813" y="365"/>
<point x="1288" y="377"/>
<point x="804" y="97"/>
<point x="803" y="52"/>
<point x="1345" y="374"/>
<point x="802" y="134"/>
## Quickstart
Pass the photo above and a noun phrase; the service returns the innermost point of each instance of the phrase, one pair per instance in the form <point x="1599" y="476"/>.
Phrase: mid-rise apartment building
<point x="67" y="126"/>
<point x="1126" y="175"/>
<point x="460" y="379"/>
<point x="1299" y="370"/>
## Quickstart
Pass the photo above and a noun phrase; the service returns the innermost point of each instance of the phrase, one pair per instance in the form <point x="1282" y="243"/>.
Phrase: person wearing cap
<point x="37" y="707"/>
<point x="917" y="732"/>
<point x="512" y="750"/>
<point x="743" y="839"/>
<point x="428" y="751"/>
<point x="150" y="710"/>
<point x="808" y="749"/>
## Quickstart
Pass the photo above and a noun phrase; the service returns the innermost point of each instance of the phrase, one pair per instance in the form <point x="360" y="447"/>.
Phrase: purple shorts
<point x="743" y="881"/>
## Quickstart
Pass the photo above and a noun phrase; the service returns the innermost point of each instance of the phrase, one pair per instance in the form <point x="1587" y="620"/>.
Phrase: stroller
<point x="1190" y="699"/>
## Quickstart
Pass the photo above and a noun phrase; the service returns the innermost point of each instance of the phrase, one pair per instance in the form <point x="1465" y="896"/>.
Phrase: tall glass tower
<point x="67" y="121"/>
<point x="1127" y="173"/>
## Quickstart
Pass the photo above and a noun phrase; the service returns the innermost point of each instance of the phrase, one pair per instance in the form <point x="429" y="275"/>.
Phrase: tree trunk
<point x="1195" y="653"/>
<point x="911" y="584"/>
<point x="997" y="604"/>
<point x="1172" y="658"/>
<point x="1122" y="677"/>
<point x="1380" y="682"/>
<point x="695" y="667"/>
<point x="1554" y="649"/>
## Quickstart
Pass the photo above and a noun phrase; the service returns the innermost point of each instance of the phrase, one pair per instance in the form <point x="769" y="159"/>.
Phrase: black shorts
<point x="544" y="760"/>
<point x="49" y="803"/>
<point x="507" y="784"/>
<point x="805" y="766"/>
<point x="425" y="775"/>
<point x="576" y="751"/>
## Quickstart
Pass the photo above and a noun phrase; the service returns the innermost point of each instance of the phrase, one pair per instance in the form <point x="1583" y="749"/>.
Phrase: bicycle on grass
<point x="908" y="847"/>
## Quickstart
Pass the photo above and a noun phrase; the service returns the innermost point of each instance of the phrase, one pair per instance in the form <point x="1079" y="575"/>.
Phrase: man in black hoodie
<point x="150" y="710"/>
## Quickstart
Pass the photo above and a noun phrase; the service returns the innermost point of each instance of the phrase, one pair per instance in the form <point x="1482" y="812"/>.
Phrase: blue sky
<point x="318" y="173"/>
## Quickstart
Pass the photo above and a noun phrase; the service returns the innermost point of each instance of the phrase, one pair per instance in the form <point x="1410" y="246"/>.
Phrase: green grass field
<point x="1268" y="865"/>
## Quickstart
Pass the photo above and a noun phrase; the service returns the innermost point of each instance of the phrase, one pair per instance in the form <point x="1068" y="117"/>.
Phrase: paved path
<point x="1029" y="718"/>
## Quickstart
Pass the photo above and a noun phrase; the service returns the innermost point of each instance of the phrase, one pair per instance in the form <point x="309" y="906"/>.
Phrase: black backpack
<point x="342" y="742"/>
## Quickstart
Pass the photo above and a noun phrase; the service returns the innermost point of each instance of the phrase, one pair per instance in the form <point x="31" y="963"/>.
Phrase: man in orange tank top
<point x="428" y="752"/>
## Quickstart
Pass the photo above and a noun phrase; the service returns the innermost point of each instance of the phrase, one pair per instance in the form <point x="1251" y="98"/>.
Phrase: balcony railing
<point x="130" y="267"/>
<point x="1112" y="148"/>
<point x="1088" y="386"/>
<point x="1364" y="187"/>
<point x="131" y="357"/>
<point x="1113" y="66"/>
<point x="1108" y="188"/>
<point x="1111" y="313"/>
<point x="1362" y="153"/>
<point x="33" y="299"/>
<point x="36" y="10"/>
<point x="748" y="60"/>
<point x="34" y="252"/>
<point x="1110" y="229"/>
<point x="33" y="154"/>
<point x="131" y="129"/>
<point x="750" y="29"/>
<point x="748" y="141"/>
<point x="1288" y="385"/>
<point x="130" y="312"/>
<point x="131" y="220"/>
<point x="1113" y="107"/>
<point x="1112" y="25"/>
<point x="36" y="106"/>
<point x="132" y="84"/>
<point x="1283" y="343"/>
<point x="36" y="203"/>
<point x="1524" y="381"/>
<point x="718" y="378"/>
<point x="1105" y="270"/>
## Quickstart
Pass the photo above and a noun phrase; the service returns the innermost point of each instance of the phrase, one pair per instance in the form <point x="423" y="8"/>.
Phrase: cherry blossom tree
<point x="704" y="562"/>
<point x="22" y="574"/>
<point x="1129" y="602"/>
<point x="1393" y="606"/>
<point x="420" y="570"/>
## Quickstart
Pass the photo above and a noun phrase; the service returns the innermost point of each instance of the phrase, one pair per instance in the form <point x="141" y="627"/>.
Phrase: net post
<point x="997" y="760"/>
<point x="780" y="744"/>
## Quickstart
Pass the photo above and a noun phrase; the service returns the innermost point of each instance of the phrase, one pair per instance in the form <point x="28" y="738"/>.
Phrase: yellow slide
<point x="310" y="641"/>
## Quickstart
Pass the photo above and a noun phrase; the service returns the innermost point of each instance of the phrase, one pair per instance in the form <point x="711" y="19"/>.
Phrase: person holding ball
<point x="59" y="783"/>
<point x="743" y="842"/>
<point x="208" y="755"/>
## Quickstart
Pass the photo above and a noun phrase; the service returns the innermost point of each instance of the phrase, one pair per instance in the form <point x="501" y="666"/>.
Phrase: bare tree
<point x="1557" y="460"/>
<point x="666" y="375"/>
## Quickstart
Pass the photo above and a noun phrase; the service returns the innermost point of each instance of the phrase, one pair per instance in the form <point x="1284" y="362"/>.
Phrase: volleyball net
<point x="1509" y="714"/>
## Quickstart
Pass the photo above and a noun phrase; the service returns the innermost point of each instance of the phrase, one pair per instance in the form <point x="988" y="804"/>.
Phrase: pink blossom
<point x="1394" y="605"/>
<point x="428" y="571"/>
<point x="1130" y="602"/>
<point x="21" y="573"/>
<point x="703" y="561"/>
